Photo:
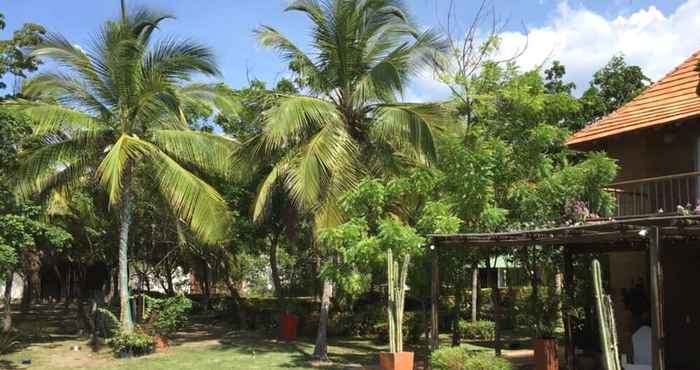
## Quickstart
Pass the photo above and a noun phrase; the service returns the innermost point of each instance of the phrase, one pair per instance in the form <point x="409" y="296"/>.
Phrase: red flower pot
<point x="396" y="361"/>
<point x="290" y="323"/>
<point x="161" y="342"/>
<point x="546" y="357"/>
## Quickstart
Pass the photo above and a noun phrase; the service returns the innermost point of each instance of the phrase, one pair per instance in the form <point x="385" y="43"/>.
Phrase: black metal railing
<point x="655" y="194"/>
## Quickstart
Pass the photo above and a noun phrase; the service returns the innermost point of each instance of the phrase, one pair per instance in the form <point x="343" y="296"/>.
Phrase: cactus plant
<point x="397" y="292"/>
<point x="606" y="321"/>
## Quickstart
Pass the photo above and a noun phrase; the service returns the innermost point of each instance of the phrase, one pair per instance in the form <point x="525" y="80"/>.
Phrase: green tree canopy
<point x="117" y="107"/>
<point x="349" y="121"/>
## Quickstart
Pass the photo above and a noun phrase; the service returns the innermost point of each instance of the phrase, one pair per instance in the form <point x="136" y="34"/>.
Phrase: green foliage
<point x="542" y="313"/>
<point x="480" y="330"/>
<point x="350" y="123"/>
<point x="458" y="358"/>
<point x="374" y="228"/>
<point x="612" y="86"/>
<point x="13" y="56"/>
<point x="110" y="322"/>
<point x="8" y="342"/>
<point x="97" y="137"/>
<point x="554" y="79"/>
<point x="167" y="315"/>
<point x="23" y="230"/>
<point x="132" y="344"/>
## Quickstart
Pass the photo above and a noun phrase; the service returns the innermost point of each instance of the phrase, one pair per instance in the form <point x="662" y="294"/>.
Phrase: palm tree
<point x="349" y="123"/>
<point x="115" y="113"/>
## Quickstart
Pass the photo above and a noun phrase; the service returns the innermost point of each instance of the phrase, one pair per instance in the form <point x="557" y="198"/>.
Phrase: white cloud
<point x="584" y="41"/>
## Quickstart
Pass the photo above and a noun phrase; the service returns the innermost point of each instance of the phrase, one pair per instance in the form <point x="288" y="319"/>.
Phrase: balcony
<point x="655" y="194"/>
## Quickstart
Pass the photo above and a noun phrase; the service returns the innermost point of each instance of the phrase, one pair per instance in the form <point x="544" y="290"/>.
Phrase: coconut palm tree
<point x="349" y="122"/>
<point x="116" y="111"/>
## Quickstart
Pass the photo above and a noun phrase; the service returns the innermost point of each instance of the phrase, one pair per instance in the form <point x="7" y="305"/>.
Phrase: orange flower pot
<point x="546" y="357"/>
<point x="289" y="326"/>
<point x="396" y="361"/>
<point x="161" y="342"/>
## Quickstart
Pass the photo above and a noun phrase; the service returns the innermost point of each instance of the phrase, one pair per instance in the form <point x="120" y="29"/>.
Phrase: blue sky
<point x="582" y="34"/>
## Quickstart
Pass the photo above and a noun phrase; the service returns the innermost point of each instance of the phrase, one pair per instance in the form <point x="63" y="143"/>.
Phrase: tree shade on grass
<point x="116" y="110"/>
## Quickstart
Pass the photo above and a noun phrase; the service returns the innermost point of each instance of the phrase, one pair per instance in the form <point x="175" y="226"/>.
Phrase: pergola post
<point x="657" y="300"/>
<point x="497" y="309"/>
<point x="570" y="349"/>
<point x="434" y="296"/>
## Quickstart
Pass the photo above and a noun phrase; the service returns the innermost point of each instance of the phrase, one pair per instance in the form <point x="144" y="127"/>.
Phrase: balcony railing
<point x="655" y="194"/>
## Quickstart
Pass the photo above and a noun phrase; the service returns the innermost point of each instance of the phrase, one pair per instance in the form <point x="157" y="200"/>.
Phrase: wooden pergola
<point x="601" y="236"/>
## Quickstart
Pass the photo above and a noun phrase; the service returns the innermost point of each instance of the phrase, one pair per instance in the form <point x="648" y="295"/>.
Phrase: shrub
<point x="167" y="315"/>
<point x="480" y="330"/>
<point x="414" y="326"/>
<point x="133" y="344"/>
<point x="8" y="342"/>
<point x="457" y="358"/>
<point x="107" y="323"/>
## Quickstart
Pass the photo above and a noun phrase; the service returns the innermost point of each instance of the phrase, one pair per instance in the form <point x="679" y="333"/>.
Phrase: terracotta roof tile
<point x="674" y="97"/>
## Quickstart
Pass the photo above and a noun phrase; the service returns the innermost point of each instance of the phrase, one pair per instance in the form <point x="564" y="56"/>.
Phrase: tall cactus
<point x="606" y="321"/>
<point x="397" y="292"/>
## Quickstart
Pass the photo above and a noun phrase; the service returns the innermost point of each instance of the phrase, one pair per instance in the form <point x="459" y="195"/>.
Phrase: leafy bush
<point x="481" y="330"/>
<point x="457" y="358"/>
<point x="8" y="342"/>
<point x="167" y="315"/>
<point x="133" y="344"/>
<point x="107" y="323"/>
<point x="414" y="326"/>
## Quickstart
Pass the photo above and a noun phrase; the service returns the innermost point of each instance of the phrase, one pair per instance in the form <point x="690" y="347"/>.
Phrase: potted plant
<point x="545" y="316"/>
<point x="165" y="316"/>
<point x="396" y="358"/>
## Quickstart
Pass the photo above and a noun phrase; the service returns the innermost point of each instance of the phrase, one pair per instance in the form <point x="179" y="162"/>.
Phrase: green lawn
<point x="236" y="350"/>
<point x="205" y="345"/>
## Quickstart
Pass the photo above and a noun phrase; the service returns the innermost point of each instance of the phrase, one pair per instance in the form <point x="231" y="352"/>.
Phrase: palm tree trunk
<point x="7" y="319"/>
<point x="125" y="223"/>
<point x="321" y="348"/>
<point x="275" y="271"/>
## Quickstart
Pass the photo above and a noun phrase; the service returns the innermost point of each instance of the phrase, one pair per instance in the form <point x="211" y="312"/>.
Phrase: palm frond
<point x="208" y="152"/>
<point x="143" y="21"/>
<point x="271" y="38"/>
<point x="84" y="65"/>
<point x="37" y="167"/>
<point x="296" y="118"/>
<point x="67" y="90"/>
<point x="264" y="193"/>
<point x="121" y="156"/>
<point x="218" y="97"/>
<point x="410" y="127"/>
<point x="49" y="118"/>
<point x="174" y="59"/>
<point x="192" y="199"/>
<point x="330" y="155"/>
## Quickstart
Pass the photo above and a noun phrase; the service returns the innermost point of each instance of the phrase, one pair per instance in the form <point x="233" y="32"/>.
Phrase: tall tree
<point x="612" y="86"/>
<point x="349" y="122"/>
<point x="13" y="58"/>
<point x="118" y="107"/>
<point x="554" y="80"/>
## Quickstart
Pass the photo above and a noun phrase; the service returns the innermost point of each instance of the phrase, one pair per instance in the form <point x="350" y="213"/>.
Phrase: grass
<point x="205" y="345"/>
<point x="236" y="350"/>
<point x="49" y="335"/>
